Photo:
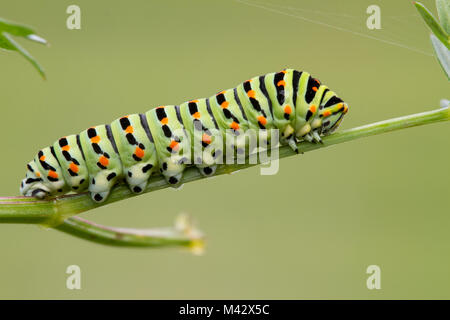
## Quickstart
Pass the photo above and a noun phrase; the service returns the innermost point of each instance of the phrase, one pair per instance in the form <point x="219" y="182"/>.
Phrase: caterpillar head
<point x="332" y="113"/>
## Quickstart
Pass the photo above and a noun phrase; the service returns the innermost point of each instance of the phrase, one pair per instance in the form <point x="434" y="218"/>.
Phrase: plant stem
<point x="57" y="212"/>
<point x="182" y="235"/>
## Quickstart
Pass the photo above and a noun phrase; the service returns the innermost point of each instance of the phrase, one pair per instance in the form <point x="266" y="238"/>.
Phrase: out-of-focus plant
<point x="8" y="30"/>
<point x="440" y="37"/>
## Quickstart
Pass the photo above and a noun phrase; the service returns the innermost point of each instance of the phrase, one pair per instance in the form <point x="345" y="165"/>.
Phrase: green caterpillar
<point x="136" y="146"/>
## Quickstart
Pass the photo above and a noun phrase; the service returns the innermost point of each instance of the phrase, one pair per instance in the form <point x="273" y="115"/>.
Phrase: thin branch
<point x="57" y="212"/>
<point x="182" y="235"/>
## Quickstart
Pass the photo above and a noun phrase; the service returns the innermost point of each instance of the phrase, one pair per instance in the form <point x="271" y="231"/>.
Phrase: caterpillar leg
<point x="172" y="169"/>
<point x="174" y="179"/>
<point x="207" y="171"/>
<point x="309" y="134"/>
<point x="316" y="137"/>
<point x="288" y="137"/>
<point x="313" y="137"/>
<point x="99" y="188"/>
<point x="293" y="144"/>
<point x="206" y="163"/>
<point x="137" y="177"/>
<point x="235" y="147"/>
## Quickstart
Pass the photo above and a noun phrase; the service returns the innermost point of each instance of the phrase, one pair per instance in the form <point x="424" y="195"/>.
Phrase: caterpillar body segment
<point x="172" y="142"/>
<point x="281" y="95"/>
<point x="166" y="139"/>
<point x="136" y="148"/>
<point x="49" y="171"/>
<point x="231" y="118"/>
<point x="102" y="160"/>
<point x="201" y="124"/>
<point x="258" y="108"/>
<point x="73" y="165"/>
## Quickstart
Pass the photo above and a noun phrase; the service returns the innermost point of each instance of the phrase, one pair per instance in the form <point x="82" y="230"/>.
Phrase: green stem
<point x="57" y="212"/>
<point x="183" y="235"/>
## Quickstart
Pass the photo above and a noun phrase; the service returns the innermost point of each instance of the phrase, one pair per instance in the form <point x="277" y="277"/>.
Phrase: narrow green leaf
<point x="442" y="53"/>
<point x="9" y="29"/>
<point x="435" y="27"/>
<point x="20" y="31"/>
<point x="443" y="9"/>
<point x="7" y="42"/>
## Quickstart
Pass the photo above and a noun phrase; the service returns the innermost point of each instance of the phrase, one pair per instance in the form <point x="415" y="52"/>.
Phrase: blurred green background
<point x="383" y="200"/>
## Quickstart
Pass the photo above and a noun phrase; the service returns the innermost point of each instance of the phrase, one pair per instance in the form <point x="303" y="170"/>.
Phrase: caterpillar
<point x="134" y="147"/>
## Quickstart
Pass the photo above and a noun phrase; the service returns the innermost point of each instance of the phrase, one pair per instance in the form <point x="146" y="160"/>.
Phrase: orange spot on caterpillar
<point x="262" y="120"/>
<point x="160" y="107"/>
<point x="95" y="139"/>
<point x="206" y="138"/>
<point x="221" y="92"/>
<point x="313" y="108"/>
<point x="103" y="161"/>
<point x="174" y="145"/>
<point x="129" y="129"/>
<point x="66" y="148"/>
<point x="195" y="101"/>
<point x="139" y="152"/>
<point x="53" y="174"/>
<point x="38" y="174"/>
<point x="251" y="94"/>
<point x="288" y="109"/>
<point x="326" y="113"/>
<point x="196" y="115"/>
<point x="284" y="71"/>
<point x="74" y="167"/>
<point x="234" y="125"/>
<point x="164" y="120"/>
<point x="314" y="88"/>
<point x="345" y="109"/>
<point x="42" y="158"/>
<point x="281" y="83"/>
<point x="225" y="104"/>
